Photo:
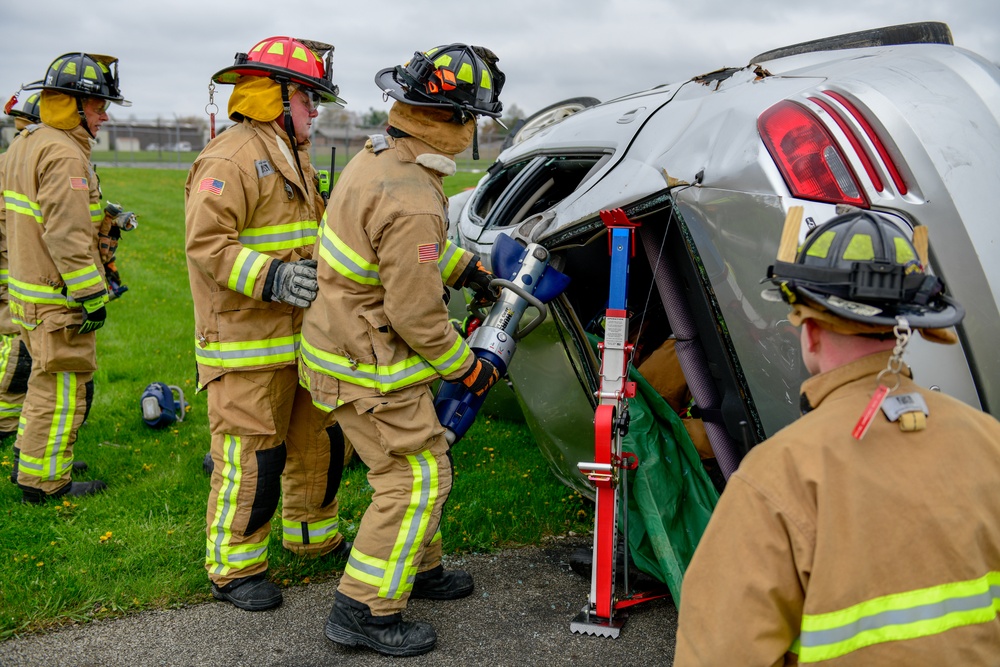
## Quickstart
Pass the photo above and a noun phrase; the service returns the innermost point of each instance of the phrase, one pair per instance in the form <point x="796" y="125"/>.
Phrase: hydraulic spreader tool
<point x="526" y="279"/>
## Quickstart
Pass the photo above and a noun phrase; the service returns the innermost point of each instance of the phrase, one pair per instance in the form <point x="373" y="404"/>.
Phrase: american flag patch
<point x="427" y="252"/>
<point x="212" y="185"/>
<point x="77" y="183"/>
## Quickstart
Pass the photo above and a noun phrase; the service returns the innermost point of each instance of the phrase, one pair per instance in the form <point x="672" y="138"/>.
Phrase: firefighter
<point x="15" y="361"/>
<point x="57" y="291"/>
<point x="379" y="334"/>
<point x="251" y="208"/>
<point x="864" y="533"/>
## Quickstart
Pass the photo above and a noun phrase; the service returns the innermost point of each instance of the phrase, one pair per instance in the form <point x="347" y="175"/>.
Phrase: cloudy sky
<point x="549" y="49"/>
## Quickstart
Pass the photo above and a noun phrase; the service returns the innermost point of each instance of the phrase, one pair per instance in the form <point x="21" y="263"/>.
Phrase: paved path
<point x="519" y="614"/>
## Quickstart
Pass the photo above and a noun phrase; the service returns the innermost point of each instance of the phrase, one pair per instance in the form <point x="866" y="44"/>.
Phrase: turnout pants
<point x="268" y="439"/>
<point x="58" y="397"/>
<point x="15" y="368"/>
<point x="399" y="438"/>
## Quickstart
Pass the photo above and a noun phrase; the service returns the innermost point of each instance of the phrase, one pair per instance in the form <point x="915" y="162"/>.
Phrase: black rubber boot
<point x="340" y="554"/>
<point x="351" y="624"/>
<point x="78" y="466"/>
<point x="253" y="593"/>
<point x="73" y="489"/>
<point x="441" y="584"/>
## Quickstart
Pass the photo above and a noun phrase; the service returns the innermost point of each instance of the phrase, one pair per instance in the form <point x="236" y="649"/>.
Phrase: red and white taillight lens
<point x="808" y="157"/>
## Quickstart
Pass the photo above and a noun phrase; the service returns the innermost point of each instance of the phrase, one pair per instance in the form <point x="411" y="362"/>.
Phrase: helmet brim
<point x="946" y="311"/>
<point x="231" y="75"/>
<point x="387" y="83"/>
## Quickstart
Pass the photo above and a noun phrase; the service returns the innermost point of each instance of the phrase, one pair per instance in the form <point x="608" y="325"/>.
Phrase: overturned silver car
<point x="897" y="120"/>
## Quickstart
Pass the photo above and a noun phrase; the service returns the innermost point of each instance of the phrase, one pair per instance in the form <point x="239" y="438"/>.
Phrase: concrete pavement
<point x="519" y="614"/>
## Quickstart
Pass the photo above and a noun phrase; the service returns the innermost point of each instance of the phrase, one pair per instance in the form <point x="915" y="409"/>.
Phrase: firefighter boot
<point x="440" y="584"/>
<point x="74" y="489"/>
<point x="351" y="624"/>
<point x="253" y="593"/>
<point x="78" y="466"/>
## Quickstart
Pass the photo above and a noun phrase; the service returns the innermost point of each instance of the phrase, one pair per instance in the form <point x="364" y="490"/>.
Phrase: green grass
<point x="141" y="545"/>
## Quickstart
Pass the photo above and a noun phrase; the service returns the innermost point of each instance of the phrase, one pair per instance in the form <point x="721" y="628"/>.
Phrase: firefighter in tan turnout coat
<point x="858" y="535"/>
<point x="251" y="209"/>
<point x="378" y="335"/>
<point x="56" y="285"/>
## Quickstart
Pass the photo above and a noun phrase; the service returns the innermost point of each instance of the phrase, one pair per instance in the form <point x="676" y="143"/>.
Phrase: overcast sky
<point x="549" y="49"/>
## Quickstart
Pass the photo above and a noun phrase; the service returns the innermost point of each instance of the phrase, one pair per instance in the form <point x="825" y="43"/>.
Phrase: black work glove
<point x="94" y="315"/>
<point x="480" y="377"/>
<point x="478" y="279"/>
<point x="295" y="283"/>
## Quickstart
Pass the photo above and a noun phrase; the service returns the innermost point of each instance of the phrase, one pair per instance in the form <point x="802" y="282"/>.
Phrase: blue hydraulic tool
<point x="526" y="279"/>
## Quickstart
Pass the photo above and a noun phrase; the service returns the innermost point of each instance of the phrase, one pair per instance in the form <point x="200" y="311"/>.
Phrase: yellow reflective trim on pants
<point x="221" y="555"/>
<point x="401" y="568"/>
<point x="245" y="271"/>
<point x="55" y="463"/>
<point x="901" y="616"/>
<point x="365" y="568"/>
<point x="303" y="532"/>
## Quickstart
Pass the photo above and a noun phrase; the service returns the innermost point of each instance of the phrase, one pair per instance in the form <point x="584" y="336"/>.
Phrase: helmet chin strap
<point x="286" y="105"/>
<point x="83" y="117"/>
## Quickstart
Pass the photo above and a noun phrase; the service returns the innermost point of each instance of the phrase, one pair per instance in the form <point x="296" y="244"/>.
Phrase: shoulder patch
<point x="264" y="168"/>
<point x="77" y="183"/>
<point x="427" y="252"/>
<point x="212" y="185"/>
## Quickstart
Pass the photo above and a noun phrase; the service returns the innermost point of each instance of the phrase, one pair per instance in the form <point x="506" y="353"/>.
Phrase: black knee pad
<point x="336" y="471"/>
<point x="270" y="465"/>
<point x="89" y="398"/>
<point x="22" y="371"/>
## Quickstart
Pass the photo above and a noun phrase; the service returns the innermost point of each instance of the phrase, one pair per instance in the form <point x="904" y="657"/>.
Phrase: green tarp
<point x="670" y="496"/>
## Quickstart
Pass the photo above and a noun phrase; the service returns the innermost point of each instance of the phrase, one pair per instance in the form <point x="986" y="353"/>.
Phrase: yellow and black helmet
<point x="454" y="76"/>
<point x="863" y="267"/>
<point x="24" y="104"/>
<point x="83" y="75"/>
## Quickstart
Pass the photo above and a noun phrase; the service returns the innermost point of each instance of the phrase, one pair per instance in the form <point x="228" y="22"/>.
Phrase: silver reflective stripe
<point x="884" y="619"/>
<point x="427" y="481"/>
<point x="361" y="566"/>
<point x="367" y="276"/>
<point x="226" y="491"/>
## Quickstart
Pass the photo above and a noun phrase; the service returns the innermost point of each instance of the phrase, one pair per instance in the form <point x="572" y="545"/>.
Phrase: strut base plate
<point x="588" y="623"/>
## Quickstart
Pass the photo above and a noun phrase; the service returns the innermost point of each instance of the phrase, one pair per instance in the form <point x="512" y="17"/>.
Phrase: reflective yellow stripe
<point x="33" y="293"/>
<point x="83" y="278"/>
<point x="365" y="568"/>
<point x="18" y="203"/>
<point x="221" y="556"/>
<point x="248" y="353"/>
<point x="910" y="615"/>
<point x="401" y="566"/>
<point x="245" y="271"/>
<point x="382" y="378"/>
<point x="280" y="237"/>
<point x="303" y="532"/>
<point x="449" y="259"/>
<point x="345" y="261"/>
<point x="55" y="463"/>
<point x="96" y="212"/>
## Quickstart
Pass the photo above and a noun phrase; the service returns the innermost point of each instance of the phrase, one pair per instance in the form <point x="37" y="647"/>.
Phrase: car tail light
<point x="877" y="142"/>
<point x="809" y="159"/>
